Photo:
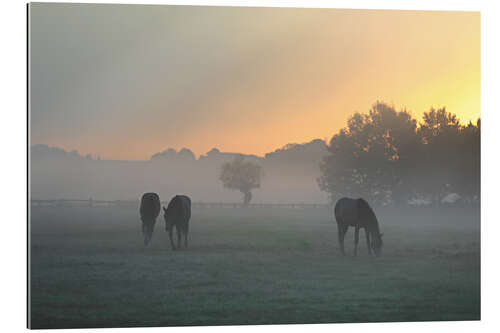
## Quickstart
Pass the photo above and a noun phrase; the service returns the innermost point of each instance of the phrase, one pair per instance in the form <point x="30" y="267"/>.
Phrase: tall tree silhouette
<point x="369" y="158"/>
<point x="385" y="155"/>
<point x="439" y="133"/>
<point x="451" y="154"/>
<point x="469" y="180"/>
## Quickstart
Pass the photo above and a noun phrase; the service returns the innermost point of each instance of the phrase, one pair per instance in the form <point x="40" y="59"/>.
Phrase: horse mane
<point x="366" y="213"/>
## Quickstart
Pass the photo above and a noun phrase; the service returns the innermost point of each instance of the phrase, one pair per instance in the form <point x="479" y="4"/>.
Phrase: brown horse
<point x="150" y="209"/>
<point x="178" y="214"/>
<point x="358" y="214"/>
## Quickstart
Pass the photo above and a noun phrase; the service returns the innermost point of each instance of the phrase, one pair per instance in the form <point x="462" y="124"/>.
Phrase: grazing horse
<point x="358" y="214"/>
<point x="178" y="214"/>
<point x="150" y="209"/>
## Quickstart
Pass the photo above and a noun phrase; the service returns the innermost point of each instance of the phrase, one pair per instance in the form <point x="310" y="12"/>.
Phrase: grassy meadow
<point x="89" y="268"/>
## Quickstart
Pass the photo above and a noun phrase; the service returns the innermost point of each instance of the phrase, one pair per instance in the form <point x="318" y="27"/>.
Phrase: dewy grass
<point x="251" y="266"/>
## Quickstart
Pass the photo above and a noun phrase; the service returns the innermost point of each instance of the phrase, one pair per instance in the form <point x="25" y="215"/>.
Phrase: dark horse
<point x="150" y="209"/>
<point x="178" y="214"/>
<point x="358" y="214"/>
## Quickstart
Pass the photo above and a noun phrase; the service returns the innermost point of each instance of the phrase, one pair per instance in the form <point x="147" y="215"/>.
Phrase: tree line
<point x="388" y="157"/>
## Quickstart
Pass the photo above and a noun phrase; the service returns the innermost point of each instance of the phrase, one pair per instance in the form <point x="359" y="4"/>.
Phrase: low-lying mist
<point x="289" y="176"/>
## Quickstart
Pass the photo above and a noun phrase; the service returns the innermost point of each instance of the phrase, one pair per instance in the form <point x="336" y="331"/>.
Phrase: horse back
<point x="179" y="210"/>
<point x="348" y="213"/>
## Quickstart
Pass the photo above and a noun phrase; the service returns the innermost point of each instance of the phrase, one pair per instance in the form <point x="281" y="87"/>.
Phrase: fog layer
<point x="289" y="175"/>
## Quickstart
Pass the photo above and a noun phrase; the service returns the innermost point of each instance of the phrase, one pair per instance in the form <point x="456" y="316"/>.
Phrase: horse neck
<point x="373" y="228"/>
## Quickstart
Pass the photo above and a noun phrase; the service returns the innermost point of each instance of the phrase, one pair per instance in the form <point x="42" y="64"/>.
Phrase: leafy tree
<point x="469" y="180"/>
<point x="241" y="175"/>
<point x="368" y="158"/>
<point x="186" y="154"/>
<point x="385" y="155"/>
<point x="339" y="175"/>
<point x="441" y="155"/>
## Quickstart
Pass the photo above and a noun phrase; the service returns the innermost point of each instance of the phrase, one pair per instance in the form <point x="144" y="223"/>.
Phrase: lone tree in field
<point x="241" y="175"/>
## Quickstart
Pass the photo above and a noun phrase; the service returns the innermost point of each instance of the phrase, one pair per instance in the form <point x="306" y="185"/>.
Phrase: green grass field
<point x="89" y="268"/>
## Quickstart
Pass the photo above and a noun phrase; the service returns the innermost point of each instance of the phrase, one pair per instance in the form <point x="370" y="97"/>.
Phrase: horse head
<point x="377" y="244"/>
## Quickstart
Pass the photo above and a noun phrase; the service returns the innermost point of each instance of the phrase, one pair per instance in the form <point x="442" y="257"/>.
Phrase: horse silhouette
<point x="150" y="209"/>
<point x="358" y="214"/>
<point x="178" y="213"/>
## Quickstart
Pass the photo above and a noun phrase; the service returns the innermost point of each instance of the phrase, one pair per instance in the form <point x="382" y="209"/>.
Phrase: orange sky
<point x="126" y="82"/>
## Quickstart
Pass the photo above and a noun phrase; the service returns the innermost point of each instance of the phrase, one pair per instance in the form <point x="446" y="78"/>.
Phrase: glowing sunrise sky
<point x="127" y="81"/>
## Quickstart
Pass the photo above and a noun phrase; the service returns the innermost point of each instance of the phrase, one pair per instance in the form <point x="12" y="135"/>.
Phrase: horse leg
<point x="148" y="233"/>
<point x="341" y="233"/>
<point x="356" y="240"/>
<point x="179" y="232"/>
<point x="368" y="242"/>
<point x="170" y="234"/>
<point x="186" y="234"/>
